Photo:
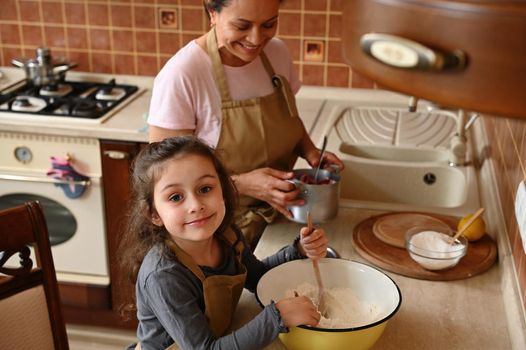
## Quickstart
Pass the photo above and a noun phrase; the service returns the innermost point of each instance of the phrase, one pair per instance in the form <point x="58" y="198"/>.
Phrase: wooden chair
<point x="30" y="314"/>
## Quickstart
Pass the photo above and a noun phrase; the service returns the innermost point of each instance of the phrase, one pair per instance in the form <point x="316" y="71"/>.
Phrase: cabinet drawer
<point x="491" y="34"/>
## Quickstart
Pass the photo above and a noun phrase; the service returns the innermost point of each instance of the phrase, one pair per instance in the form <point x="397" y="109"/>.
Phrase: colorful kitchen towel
<point x="72" y="183"/>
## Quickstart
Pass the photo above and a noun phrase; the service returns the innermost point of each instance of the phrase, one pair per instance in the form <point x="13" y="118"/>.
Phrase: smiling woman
<point x="234" y="89"/>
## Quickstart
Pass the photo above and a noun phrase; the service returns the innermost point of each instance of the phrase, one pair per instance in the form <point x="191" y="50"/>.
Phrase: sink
<point x="397" y="160"/>
<point x="406" y="179"/>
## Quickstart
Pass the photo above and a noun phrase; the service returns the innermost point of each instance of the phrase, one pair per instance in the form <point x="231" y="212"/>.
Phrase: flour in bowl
<point x="344" y="309"/>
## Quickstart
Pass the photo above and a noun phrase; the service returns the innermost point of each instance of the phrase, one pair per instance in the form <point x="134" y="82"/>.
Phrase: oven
<point x="75" y="223"/>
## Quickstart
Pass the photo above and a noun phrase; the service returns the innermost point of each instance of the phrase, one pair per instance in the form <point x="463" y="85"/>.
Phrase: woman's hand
<point x="313" y="244"/>
<point x="329" y="160"/>
<point x="298" y="311"/>
<point x="269" y="185"/>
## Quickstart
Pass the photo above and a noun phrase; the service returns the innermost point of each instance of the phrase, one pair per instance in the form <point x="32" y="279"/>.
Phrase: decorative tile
<point x="313" y="50"/>
<point x="167" y="18"/>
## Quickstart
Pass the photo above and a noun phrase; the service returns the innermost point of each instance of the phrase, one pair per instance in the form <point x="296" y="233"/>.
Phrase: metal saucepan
<point x="321" y="199"/>
<point x="43" y="70"/>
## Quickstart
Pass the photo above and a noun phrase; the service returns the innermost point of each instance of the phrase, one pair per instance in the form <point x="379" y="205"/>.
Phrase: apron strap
<point x="267" y="64"/>
<point x="229" y="236"/>
<point x="217" y="65"/>
<point x="219" y="71"/>
<point x="185" y="259"/>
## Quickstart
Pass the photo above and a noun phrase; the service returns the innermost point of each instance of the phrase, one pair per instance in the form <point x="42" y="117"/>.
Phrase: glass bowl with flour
<point x="431" y="247"/>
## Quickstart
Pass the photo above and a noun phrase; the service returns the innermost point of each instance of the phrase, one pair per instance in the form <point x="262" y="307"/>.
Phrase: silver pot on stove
<point x="43" y="70"/>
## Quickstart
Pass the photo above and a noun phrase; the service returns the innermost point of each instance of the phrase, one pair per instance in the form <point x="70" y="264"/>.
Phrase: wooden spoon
<point x="321" y="290"/>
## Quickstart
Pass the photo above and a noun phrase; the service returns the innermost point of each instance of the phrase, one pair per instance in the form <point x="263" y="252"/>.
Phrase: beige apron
<point x="256" y="133"/>
<point x="221" y="292"/>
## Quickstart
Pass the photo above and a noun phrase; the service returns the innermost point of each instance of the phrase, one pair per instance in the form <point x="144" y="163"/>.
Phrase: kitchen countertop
<point x="463" y="314"/>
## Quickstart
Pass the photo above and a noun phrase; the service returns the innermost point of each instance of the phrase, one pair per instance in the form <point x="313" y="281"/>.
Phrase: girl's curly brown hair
<point x="140" y="233"/>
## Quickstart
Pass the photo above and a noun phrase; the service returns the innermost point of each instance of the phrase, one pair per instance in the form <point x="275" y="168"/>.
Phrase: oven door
<point x="76" y="226"/>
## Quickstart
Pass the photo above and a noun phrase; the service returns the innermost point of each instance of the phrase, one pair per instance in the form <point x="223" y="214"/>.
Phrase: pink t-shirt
<point x="185" y="94"/>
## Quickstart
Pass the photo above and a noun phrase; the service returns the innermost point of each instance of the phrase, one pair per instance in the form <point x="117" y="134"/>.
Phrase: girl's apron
<point x="256" y="133"/>
<point x="221" y="292"/>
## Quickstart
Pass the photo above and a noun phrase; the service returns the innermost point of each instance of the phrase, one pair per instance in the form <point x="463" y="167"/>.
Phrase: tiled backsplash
<point x="139" y="36"/>
<point x="508" y="151"/>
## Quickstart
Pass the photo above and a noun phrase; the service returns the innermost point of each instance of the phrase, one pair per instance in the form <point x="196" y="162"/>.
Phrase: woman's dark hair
<point x="141" y="234"/>
<point x="216" y="5"/>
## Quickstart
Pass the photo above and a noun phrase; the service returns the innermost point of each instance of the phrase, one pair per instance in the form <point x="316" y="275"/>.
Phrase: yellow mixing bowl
<point x="367" y="283"/>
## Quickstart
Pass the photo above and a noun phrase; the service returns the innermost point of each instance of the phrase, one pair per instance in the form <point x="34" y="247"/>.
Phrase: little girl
<point x="190" y="263"/>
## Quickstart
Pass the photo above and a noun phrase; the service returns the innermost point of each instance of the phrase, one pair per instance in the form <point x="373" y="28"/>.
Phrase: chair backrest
<point x="30" y="313"/>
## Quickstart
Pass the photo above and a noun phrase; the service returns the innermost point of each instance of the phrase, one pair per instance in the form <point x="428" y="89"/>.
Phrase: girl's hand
<point x="298" y="311"/>
<point x="313" y="244"/>
<point x="271" y="186"/>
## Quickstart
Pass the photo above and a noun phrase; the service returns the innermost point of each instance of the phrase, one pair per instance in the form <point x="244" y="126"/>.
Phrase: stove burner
<point x="85" y="108"/>
<point x="21" y="102"/>
<point x="49" y="88"/>
<point x="55" y="90"/>
<point x="28" y="104"/>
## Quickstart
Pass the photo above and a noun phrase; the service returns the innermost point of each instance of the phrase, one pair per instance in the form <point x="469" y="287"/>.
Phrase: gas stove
<point x="66" y="100"/>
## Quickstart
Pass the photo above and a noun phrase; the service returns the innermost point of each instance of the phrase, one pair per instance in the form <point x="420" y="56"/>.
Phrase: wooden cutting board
<point x="479" y="257"/>
<point x="391" y="228"/>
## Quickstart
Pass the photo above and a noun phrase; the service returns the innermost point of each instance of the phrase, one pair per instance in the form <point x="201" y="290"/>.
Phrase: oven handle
<point x="43" y="179"/>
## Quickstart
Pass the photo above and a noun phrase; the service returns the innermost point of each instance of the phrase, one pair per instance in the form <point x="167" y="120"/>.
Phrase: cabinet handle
<point x="400" y="52"/>
<point x="117" y="155"/>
